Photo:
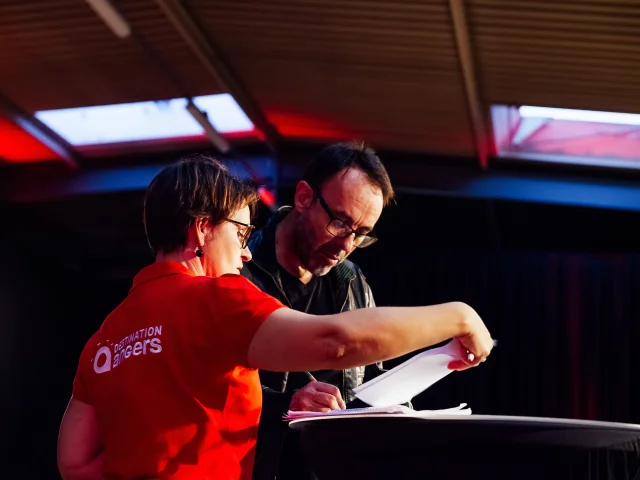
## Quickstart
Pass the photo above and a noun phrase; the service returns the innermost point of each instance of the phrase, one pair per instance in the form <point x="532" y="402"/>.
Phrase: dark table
<point x="474" y="447"/>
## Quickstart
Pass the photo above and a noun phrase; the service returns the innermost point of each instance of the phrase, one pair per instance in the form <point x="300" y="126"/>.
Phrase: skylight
<point x="567" y="136"/>
<point x="133" y="122"/>
<point x="590" y="116"/>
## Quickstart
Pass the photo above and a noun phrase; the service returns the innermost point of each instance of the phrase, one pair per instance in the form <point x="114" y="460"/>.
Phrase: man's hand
<point x="317" y="397"/>
<point x="477" y="340"/>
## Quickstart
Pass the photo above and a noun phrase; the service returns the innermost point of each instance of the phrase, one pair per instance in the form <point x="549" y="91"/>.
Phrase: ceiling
<point x="403" y="75"/>
<point x="406" y="76"/>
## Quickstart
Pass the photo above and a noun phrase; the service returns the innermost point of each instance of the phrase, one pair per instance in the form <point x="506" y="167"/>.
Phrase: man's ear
<point x="304" y="196"/>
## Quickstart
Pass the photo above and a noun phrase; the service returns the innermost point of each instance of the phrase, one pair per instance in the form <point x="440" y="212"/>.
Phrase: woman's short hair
<point x="194" y="187"/>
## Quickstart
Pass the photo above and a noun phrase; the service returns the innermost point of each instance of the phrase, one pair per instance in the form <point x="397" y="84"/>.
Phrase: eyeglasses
<point x="244" y="233"/>
<point x="339" y="229"/>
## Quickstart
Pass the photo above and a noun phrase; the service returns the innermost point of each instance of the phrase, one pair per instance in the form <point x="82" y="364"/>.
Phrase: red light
<point x="267" y="197"/>
<point x="17" y="146"/>
<point x="291" y="124"/>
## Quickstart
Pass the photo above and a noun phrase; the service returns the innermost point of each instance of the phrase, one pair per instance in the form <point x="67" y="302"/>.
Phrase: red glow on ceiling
<point x="244" y="135"/>
<point x="303" y="126"/>
<point x="17" y="146"/>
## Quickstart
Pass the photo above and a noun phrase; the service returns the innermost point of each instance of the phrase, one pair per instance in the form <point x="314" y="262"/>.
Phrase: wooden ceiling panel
<point x="168" y="48"/>
<point x="574" y="54"/>
<point x="384" y="71"/>
<point x="59" y="54"/>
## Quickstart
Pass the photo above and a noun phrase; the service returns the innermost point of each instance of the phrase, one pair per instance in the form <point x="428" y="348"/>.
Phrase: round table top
<point x="457" y="447"/>
<point x="477" y="420"/>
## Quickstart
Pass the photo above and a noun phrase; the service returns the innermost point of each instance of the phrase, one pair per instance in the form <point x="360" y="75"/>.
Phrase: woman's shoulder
<point x="233" y="294"/>
<point x="228" y="284"/>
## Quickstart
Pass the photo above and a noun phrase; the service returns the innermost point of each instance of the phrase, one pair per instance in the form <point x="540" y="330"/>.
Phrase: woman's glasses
<point x="244" y="231"/>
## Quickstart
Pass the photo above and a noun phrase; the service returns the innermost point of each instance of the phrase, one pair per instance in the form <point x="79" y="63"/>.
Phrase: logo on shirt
<point x="140" y="342"/>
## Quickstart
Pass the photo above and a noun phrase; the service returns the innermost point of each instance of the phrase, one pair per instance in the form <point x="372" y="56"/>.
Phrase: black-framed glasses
<point x="244" y="233"/>
<point x="339" y="229"/>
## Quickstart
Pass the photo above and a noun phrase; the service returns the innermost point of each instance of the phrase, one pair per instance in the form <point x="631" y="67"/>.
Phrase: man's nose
<point x="246" y="254"/>
<point x="348" y="241"/>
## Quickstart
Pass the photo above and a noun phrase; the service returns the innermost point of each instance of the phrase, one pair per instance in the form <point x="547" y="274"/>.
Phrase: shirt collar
<point x="265" y="253"/>
<point x="158" y="270"/>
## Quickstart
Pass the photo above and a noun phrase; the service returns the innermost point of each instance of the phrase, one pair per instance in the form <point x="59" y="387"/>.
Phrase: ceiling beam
<point x="465" y="56"/>
<point x="39" y="131"/>
<point x="212" y="134"/>
<point x="210" y="58"/>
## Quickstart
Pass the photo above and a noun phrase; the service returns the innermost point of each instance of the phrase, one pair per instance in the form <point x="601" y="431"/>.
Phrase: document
<point x="394" y="410"/>
<point x="410" y="378"/>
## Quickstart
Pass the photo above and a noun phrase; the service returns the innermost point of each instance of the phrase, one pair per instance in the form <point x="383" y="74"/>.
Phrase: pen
<point x="311" y="377"/>
<point x="470" y="356"/>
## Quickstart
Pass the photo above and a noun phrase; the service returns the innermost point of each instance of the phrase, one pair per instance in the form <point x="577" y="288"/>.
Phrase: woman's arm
<point x="293" y="341"/>
<point x="79" y="443"/>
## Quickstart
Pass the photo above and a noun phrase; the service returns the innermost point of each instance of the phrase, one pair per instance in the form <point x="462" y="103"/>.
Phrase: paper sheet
<point x="295" y="415"/>
<point x="410" y="378"/>
<point x="394" y="410"/>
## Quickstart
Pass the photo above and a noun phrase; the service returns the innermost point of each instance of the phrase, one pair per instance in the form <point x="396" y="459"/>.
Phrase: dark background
<point x="557" y="285"/>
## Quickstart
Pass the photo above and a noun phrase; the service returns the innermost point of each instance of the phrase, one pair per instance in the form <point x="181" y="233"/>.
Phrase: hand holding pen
<point x="317" y="397"/>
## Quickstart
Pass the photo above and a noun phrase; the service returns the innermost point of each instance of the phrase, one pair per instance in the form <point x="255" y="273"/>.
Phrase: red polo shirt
<point x="167" y="374"/>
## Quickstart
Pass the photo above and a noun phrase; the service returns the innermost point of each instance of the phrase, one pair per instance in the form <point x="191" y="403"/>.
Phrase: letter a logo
<point x="106" y="366"/>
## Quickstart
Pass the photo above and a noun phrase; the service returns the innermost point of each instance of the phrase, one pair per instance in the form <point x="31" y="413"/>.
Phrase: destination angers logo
<point x="140" y="342"/>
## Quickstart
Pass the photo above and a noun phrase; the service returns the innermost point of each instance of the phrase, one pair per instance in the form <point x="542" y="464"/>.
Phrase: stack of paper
<point x="394" y="410"/>
<point x="399" y="409"/>
<point x="410" y="378"/>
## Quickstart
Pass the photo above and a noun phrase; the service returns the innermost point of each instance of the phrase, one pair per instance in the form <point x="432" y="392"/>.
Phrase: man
<point x="300" y="257"/>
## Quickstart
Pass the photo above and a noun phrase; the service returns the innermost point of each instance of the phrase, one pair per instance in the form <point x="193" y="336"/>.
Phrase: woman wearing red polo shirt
<point x="168" y="386"/>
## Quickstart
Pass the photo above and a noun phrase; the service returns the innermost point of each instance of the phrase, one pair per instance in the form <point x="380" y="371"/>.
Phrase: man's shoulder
<point x="357" y="282"/>
<point x="256" y="239"/>
<point x="249" y="269"/>
<point x="353" y="266"/>
<point x="349" y="269"/>
<point x="268" y="230"/>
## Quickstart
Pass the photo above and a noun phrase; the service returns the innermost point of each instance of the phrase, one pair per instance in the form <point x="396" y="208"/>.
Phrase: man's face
<point x="351" y="198"/>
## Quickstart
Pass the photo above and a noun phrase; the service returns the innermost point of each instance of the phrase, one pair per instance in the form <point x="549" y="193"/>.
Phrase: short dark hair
<point x="194" y="187"/>
<point x="337" y="157"/>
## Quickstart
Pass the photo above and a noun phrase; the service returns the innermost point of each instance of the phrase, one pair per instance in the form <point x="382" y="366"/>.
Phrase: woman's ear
<point x="202" y="230"/>
<point x="303" y="197"/>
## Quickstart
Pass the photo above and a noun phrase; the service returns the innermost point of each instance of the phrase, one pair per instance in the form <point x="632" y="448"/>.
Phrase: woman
<point x="168" y="387"/>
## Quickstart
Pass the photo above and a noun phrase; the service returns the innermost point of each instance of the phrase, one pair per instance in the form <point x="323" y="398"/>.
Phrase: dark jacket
<point x="351" y="292"/>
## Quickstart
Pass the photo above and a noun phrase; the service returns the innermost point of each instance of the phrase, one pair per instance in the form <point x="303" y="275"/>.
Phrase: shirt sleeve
<point x="80" y="387"/>
<point x="239" y="308"/>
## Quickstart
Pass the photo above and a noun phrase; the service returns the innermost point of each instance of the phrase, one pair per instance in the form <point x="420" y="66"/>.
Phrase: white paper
<point x="391" y="410"/>
<point x="459" y="410"/>
<point x="399" y="409"/>
<point x="410" y="378"/>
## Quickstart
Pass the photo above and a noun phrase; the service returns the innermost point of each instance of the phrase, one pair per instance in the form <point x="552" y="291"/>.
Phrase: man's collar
<point x="264" y="254"/>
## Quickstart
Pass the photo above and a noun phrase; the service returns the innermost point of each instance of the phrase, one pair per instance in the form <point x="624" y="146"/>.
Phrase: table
<point x="401" y="447"/>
